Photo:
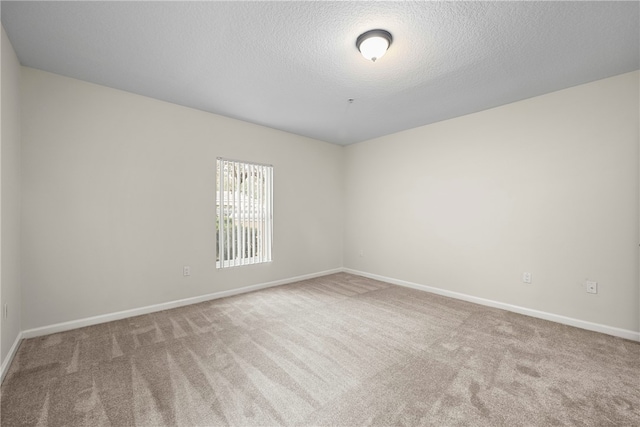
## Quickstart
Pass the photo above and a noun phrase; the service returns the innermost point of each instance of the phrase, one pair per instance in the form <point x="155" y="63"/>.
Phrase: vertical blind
<point x="244" y="204"/>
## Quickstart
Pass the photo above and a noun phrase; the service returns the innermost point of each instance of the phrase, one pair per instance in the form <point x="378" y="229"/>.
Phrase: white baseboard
<point x="89" y="321"/>
<point x="4" y="368"/>
<point x="609" y="330"/>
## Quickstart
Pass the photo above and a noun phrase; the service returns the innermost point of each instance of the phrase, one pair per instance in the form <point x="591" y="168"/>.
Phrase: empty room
<point x="320" y="213"/>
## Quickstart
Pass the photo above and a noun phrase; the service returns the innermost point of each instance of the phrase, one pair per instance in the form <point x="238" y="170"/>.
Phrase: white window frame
<point x="244" y="213"/>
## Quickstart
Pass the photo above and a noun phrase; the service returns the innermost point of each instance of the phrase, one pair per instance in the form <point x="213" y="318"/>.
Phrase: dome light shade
<point x="374" y="44"/>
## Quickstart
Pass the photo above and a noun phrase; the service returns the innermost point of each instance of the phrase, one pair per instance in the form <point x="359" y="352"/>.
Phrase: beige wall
<point x="547" y="185"/>
<point x="119" y="194"/>
<point x="113" y="203"/>
<point x="9" y="197"/>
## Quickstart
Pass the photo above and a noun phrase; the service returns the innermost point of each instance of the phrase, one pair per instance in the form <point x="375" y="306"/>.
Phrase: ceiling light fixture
<point x="374" y="44"/>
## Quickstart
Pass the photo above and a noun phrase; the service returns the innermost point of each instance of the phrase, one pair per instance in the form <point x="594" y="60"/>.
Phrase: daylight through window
<point x="244" y="218"/>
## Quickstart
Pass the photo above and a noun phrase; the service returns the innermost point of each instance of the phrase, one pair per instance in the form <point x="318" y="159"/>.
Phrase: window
<point x="244" y="218"/>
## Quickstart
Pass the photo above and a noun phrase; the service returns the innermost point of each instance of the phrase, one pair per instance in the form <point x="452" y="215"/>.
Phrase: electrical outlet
<point x="592" y="287"/>
<point x="526" y="277"/>
<point x="186" y="270"/>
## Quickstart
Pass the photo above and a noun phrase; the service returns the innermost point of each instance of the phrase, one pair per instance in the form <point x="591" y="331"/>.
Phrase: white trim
<point x="89" y="321"/>
<point x="7" y="360"/>
<point x="583" y="324"/>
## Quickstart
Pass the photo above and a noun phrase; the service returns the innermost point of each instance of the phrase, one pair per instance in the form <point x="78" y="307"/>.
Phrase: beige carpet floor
<point x="339" y="350"/>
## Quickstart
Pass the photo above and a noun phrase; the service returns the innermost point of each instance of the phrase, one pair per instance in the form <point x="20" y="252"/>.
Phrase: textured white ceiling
<point x="293" y="65"/>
